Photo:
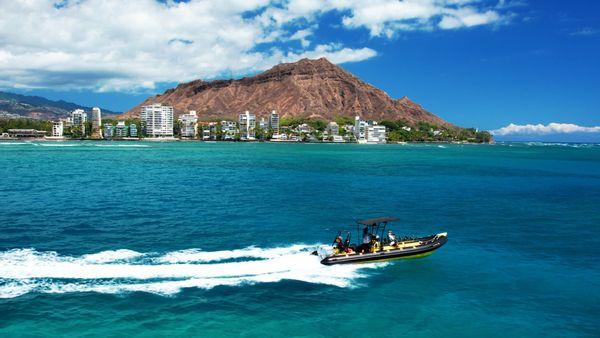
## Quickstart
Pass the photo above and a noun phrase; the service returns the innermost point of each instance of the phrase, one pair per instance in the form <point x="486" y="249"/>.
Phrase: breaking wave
<point x="12" y="143"/>
<point x="25" y="271"/>
<point x="60" y="144"/>
<point x="57" y="145"/>
<point x="122" y="145"/>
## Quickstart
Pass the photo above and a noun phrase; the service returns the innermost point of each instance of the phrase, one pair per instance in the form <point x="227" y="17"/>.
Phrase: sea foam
<point x="24" y="271"/>
<point x="122" y="145"/>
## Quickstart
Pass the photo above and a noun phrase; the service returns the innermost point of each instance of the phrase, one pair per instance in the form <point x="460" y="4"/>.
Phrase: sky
<point x="521" y="68"/>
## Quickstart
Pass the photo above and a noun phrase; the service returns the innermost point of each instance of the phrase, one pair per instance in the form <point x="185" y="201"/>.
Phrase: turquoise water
<point x="197" y="239"/>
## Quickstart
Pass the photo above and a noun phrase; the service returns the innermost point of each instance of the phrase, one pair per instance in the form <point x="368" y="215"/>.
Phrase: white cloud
<point x="467" y="17"/>
<point x="334" y="53"/>
<point x="387" y="17"/>
<point x="540" y="129"/>
<point x="133" y="45"/>
<point x="302" y="35"/>
<point x="585" y="32"/>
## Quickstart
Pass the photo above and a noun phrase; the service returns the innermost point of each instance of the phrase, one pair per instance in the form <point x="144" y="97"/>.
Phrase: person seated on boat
<point x="392" y="238"/>
<point x="342" y="247"/>
<point x="339" y="245"/>
<point x="375" y="243"/>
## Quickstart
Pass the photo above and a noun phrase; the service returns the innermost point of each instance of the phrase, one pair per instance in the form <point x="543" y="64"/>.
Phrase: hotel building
<point x="247" y="125"/>
<point x="158" y="120"/>
<point x="78" y="118"/>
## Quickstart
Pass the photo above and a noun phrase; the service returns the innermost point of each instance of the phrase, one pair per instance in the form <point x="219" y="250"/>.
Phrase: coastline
<point x="166" y="140"/>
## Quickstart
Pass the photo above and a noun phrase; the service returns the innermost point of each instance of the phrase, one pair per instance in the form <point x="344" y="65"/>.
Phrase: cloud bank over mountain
<point x="113" y="45"/>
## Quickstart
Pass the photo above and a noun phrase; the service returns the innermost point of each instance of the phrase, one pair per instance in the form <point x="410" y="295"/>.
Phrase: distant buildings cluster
<point x="157" y="121"/>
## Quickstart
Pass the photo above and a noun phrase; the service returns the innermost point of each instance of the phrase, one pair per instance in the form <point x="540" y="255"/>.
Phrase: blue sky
<point x="485" y="64"/>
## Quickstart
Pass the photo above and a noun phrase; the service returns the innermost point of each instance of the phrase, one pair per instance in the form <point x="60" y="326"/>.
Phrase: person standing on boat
<point x="366" y="242"/>
<point x="392" y="238"/>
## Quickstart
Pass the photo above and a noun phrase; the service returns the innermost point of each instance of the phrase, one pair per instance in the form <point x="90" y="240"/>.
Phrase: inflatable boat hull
<point x="423" y="247"/>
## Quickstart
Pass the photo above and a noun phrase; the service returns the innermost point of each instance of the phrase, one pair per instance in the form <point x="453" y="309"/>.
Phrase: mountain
<point x="37" y="107"/>
<point x="307" y="88"/>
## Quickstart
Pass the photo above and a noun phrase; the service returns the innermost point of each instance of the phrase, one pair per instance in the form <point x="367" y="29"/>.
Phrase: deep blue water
<point x="197" y="239"/>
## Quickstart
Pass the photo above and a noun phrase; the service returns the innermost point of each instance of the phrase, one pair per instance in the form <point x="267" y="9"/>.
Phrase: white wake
<point x="116" y="271"/>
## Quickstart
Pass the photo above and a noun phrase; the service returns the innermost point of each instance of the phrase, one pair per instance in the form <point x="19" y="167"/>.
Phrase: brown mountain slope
<point x="307" y="88"/>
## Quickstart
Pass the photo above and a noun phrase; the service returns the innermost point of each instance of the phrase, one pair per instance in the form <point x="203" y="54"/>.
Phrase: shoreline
<point x="214" y="141"/>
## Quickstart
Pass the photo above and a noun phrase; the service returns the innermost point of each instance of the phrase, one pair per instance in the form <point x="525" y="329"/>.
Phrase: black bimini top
<point x="377" y="220"/>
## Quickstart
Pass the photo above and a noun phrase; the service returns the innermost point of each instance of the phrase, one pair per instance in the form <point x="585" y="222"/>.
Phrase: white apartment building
<point x="96" y="118"/>
<point x="78" y="118"/>
<point x="158" y="120"/>
<point x="57" y="129"/>
<point x="247" y="125"/>
<point x="189" y="124"/>
<point x="360" y="130"/>
<point x="121" y="129"/>
<point x="376" y="134"/>
<point x="209" y="131"/>
<point x="264" y="123"/>
<point x="274" y="122"/>
<point x="228" y="130"/>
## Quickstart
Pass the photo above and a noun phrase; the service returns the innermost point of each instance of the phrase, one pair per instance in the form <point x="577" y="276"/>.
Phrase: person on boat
<point x="392" y="238"/>
<point x="339" y="245"/>
<point x="342" y="247"/>
<point x="366" y="242"/>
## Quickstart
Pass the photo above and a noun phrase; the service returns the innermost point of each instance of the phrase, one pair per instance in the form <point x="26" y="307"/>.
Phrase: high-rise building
<point x="247" y="125"/>
<point x="57" y="129"/>
<point x="96" y="118"/>
<point x="158" y="120"/>
<point x="360" y="130"/>
<point x="274" y="122"/>
<point x="189" y="124"/>
<point x="79" y="117"/>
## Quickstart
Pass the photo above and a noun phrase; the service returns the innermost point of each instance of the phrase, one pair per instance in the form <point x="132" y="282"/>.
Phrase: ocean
<point x="114" y="239"/>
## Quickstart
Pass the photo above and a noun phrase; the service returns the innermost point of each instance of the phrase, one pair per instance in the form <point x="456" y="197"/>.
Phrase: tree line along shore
<point x="302" y="130"/>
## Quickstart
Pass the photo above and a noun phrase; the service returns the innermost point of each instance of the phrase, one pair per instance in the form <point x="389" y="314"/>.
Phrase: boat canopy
<point x="377" y="220"/>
